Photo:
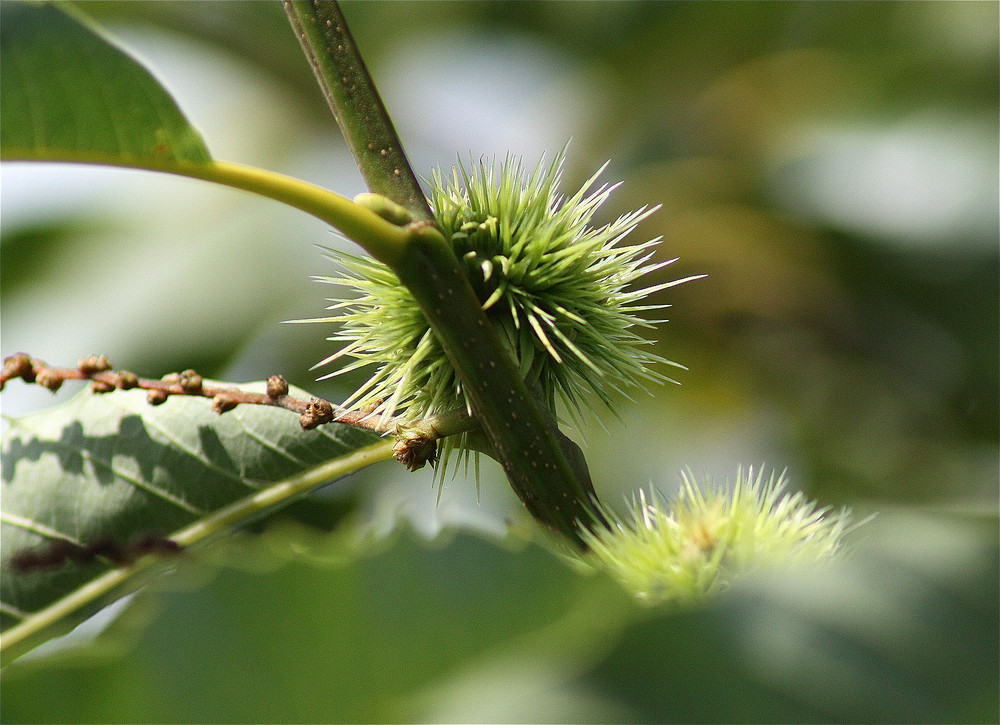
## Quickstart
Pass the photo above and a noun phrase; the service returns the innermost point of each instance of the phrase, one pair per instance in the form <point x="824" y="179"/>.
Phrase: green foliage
<point x="543" y="467"/>
<point x="860" y="353"/>
<point x="110" y="467"/>
<point x="400" y="248"/>
<point x="300" y="628"/>
<point x="70" y="95"/>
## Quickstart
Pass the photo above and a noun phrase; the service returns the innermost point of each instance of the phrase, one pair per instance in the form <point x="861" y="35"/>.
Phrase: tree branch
<point x="351" y="94"/>
<point x="416" y="443"/>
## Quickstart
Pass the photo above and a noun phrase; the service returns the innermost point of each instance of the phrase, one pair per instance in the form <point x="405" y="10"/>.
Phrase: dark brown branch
<point x="416" y="443"/>
<point x="97" y="369"/>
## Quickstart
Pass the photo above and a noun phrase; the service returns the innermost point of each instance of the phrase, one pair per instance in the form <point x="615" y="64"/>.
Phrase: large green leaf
<point x="905" y="630"/>
<point x="69" y="94"/>
<point x="110" y="467"/>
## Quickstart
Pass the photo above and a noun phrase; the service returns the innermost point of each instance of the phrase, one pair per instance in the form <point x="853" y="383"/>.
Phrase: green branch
<point x="356" y="104"/>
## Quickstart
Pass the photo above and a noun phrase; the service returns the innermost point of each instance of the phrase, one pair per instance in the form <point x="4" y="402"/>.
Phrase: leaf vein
<point x="268" y="444"/>
<point x="179" y="445"/>
<point x="128" y="478"/>
<point x="34" y="527"/>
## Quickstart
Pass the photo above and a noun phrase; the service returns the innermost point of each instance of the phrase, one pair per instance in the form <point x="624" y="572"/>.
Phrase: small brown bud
<point x="190" y="382"/>
<point x="94" y="364"/>
<point x="18" y="365"/>
<point x="318" y="412"/>
<point x="277" y="386"/>
<point x="127" y="380"/>
<point x="48" y="378"/>
<point x="223" y="402"/>
<point x="157" y="397"/>
<point x="171" y="378"/>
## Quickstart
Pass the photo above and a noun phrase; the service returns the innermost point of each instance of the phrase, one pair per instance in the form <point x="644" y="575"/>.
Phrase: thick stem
<point x="544" y="467"/>
<point x="546" y="470"/>
<point x="356" y="104"/>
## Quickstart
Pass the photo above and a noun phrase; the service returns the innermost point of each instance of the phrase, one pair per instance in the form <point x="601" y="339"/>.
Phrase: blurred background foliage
<point x="832" y="167"/>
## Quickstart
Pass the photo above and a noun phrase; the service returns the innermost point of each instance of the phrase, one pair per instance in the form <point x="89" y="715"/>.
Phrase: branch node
<point x="48" y="378"/>
<point x="18" y="365"/>
<point x="101" y="386"/>
<point x="127" y="380"/>
<point x="318" y="412"/>
<point x="414" y="450"/>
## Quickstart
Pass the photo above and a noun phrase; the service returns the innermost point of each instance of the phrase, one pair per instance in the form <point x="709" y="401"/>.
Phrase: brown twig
<point x="416" y="444"/>
<point x="97" y="369"/>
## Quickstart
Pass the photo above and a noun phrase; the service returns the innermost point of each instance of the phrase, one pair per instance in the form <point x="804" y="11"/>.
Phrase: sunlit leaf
<point x="69" y="94"/>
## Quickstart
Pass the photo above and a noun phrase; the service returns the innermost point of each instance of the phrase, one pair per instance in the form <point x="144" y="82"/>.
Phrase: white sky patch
<point x="488" y="97"/>
<point x="931" y="181"/>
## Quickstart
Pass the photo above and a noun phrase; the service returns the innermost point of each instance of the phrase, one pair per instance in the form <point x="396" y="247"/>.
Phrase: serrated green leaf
<point x="69" y="94"/>
<point x="113" y="467"/>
